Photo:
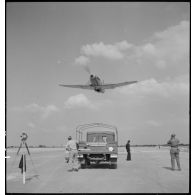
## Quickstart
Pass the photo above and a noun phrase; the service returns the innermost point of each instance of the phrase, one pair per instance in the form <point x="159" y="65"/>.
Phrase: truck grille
<point x="96" y="156"/>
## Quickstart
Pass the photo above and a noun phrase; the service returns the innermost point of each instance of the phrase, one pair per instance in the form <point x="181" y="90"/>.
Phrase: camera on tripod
<point x="24" y="137"/>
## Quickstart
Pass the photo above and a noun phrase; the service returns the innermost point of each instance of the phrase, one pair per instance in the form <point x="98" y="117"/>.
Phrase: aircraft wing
<point x="78" y="86"/>
<point x="112" y="86"/>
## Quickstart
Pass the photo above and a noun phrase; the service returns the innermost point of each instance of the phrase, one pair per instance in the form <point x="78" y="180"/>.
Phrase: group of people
<point x="72" y="152"/>
<point x="174" y="151"/>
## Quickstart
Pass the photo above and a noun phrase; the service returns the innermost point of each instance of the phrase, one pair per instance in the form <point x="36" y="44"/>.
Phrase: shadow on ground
<point x="30" y="178"/>
<point x="169" y="168"/>
<point x="98" y="166"/>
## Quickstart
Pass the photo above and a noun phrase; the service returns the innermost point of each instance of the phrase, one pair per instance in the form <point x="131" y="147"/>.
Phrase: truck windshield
<point x="100" y="138"/>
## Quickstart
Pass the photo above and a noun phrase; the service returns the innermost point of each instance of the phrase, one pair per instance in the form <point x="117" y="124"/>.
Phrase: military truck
<point x="99" y="146"/>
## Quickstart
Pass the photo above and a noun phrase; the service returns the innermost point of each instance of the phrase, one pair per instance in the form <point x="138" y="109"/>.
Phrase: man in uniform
<point x="174" y="151"/>
<point x="128" y="150"/>
<point x="72" y="147"/>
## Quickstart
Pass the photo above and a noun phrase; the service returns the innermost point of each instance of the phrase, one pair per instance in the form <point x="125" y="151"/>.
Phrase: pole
<point x="24" y="163"/>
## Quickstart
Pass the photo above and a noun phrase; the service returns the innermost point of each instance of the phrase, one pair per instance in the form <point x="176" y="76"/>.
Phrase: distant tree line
<point x="151" y="145"/>
<point x="122" y="145"/>
<point x="39" y="146"/>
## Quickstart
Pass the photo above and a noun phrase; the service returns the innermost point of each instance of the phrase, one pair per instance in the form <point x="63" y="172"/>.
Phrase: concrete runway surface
<point x="148" y="172"/>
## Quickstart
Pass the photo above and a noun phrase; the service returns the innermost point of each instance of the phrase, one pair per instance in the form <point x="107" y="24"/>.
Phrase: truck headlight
<point x="110" y="149"/>
<point x="113" y="156"/>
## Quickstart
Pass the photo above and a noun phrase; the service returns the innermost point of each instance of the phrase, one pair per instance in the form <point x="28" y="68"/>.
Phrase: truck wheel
<point x="113" y="165"/>
<point x="83" y="166"/>
<point x="87" y="163"/>
<point x="82" y="163"/>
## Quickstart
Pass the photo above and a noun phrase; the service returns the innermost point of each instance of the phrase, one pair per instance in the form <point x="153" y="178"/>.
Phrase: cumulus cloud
<point x="123" y="45"/>
<point x="102" y="50"/>
<point x="166" y="48"/>
<point x="82" y="60"/>
<point x="44" y="111"/>
<point x="166" y="89"/>
<point x="31" y="125"/>
<point x="109" y="51"/>
<point x="153" y="123"/>
<point x="80" y="101"/>
<point x="48" y="110"/>
<point x="173" y="43"/>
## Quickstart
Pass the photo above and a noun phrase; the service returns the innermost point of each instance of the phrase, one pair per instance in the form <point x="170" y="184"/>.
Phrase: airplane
<point x="98" y="85"/>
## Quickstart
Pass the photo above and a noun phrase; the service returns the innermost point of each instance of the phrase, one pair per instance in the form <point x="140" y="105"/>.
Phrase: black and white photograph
<point x="97" y="97"/>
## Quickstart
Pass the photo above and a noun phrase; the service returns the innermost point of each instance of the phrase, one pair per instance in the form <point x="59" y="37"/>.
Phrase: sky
<point x="49" y="43"/>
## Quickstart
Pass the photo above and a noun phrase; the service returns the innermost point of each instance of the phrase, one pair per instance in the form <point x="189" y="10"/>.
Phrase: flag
<point x="21" y="163"/>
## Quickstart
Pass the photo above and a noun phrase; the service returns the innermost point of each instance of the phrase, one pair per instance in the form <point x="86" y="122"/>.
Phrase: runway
<point x="148" y="172"/>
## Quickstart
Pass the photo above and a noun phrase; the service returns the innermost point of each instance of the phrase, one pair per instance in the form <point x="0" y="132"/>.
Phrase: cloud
<point x="167" y="48"/>
<point x="48" y="110"/>
<point x="79" y="101"/>
<point x="166" y="89"/>
<point x="35" y="108"/>
<point x="109" y="51"/>
<point x="161" y="64"/>
<point x="31" y="125"/>
<point x="173" y="44"/>
<point x="82" y="60"/>
<point x="153" y="123"/>
<point x="59" y="61"/>
<point x="123" y="45"/>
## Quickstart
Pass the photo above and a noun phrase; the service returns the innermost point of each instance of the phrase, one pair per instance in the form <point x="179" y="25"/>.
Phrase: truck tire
<point x="83" y="166"/>
<point x="113" y="165"/>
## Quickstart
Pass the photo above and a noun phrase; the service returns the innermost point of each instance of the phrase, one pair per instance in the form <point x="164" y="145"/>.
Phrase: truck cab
<point x="100" y="146"/>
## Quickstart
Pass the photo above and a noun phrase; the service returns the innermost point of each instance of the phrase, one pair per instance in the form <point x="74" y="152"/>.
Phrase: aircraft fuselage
<point x="96" y="83"/>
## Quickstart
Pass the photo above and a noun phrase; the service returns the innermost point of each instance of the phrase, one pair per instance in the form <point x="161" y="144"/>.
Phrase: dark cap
<point x="173" y="135"/>
<point x="69" y="138"/>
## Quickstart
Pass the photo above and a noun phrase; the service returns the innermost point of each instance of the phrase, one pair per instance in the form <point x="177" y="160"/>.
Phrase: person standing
<point x="128" y="150"/>
<point x="72" y="147"/>
<point x="174" y="152"/>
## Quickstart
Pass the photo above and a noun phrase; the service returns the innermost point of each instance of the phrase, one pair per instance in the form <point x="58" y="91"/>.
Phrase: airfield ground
<point x="148" y="172"/>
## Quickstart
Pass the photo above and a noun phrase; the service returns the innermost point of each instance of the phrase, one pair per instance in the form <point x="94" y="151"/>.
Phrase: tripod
<point x="23" y="143"/>
<point x="22" y="164"/>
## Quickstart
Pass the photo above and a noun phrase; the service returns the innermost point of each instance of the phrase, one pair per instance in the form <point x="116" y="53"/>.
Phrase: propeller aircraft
<point x="98" y="85"/>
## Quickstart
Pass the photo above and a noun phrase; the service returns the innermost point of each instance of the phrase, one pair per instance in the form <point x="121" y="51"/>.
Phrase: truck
<point x="99" y="146"/>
